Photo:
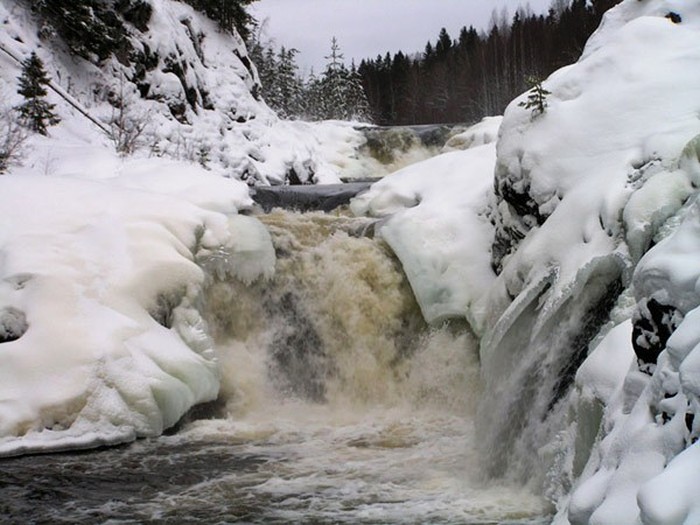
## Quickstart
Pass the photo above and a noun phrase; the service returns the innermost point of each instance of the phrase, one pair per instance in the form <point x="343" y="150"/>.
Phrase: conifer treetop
<point x="36" y="113"/>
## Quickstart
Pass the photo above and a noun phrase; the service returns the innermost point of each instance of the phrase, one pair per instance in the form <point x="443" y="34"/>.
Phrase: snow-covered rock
<point x="583" y="190"/>
<point x="436" y="224"/>
<point x="101" y="340"/>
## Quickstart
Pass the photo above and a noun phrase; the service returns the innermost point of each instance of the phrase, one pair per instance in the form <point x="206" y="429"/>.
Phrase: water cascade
<point x="338" y="405"/>
<point x="529" y="362"/>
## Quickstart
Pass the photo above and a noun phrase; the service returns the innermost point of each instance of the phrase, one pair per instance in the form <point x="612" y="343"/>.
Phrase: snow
<point x="229" y="131"/>
<point x="605" y="369"/>
<point x="94" y="266"/>
<point x="436" y="225"/>
<point x="103" y="258"/>
<point x="579" y="160"/>
<point x="643" y="462"/>
<point x="671" y="498"/>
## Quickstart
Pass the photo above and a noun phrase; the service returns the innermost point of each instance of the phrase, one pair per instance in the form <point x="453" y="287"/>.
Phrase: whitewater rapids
<point x="338" y="405"/>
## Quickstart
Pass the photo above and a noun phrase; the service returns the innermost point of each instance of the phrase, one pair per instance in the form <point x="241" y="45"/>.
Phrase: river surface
<point x="338" y="405"/>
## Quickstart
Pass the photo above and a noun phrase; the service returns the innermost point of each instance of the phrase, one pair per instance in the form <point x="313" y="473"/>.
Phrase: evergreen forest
<point x="453" y="80"/>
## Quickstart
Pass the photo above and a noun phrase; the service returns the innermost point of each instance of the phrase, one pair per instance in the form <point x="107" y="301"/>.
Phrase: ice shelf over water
<point x="98" y="282"/>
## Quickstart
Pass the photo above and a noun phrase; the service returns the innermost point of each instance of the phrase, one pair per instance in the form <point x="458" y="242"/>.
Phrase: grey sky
<point x="366" y="28"/>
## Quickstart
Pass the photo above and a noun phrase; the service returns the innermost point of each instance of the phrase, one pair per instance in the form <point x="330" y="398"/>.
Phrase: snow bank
<point x="617" y="119"/>
<point x="436" y="225"/>
<point x="601" y="375"/>
<point x="100" y="340"/>
<point x="653" y="416"/>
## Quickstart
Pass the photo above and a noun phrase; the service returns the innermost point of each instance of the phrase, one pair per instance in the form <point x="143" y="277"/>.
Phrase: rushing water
<point x="338" y="405"/>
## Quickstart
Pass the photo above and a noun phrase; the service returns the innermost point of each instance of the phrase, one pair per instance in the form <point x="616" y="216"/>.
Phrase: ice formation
<point x="99" y="288"/>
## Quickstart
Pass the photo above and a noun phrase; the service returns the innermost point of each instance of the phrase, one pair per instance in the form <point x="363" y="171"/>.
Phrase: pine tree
<point x="289" y="85"/>
<point x="36" y="112"/>
<point x="229" y="14"/>
<point x="536" y="98"/>
<point x="358" y="105"/>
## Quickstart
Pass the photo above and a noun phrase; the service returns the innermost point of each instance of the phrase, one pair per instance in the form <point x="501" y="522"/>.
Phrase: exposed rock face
<point x="13" y="324"/>
<point x="516" y="213"/>
<point x="654" y="323"/>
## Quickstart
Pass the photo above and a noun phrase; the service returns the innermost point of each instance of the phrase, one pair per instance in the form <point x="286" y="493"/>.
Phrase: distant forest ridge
<point x="453" y="80"/>
<point x="478" y="73"/>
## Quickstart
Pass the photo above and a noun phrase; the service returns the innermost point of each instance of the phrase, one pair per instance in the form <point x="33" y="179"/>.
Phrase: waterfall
<point x="333" y="358"/>
<point x="529" y="362"/>
<point x="338" y="324"/>
<point x="338" y="404"/>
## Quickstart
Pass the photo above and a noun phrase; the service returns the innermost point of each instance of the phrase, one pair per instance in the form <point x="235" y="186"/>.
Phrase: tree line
<point x="336" y="94"/>
<point x="478" y="73"/>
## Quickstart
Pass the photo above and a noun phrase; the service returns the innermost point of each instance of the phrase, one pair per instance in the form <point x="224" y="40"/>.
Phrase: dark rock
<point x="653" y="324"/>
<point x="523" y="214"/>
<point x="324" y="197"/>
<point x="674" y="17"/>
<point x="136" y="12"/>
<point x="13" y="324"/>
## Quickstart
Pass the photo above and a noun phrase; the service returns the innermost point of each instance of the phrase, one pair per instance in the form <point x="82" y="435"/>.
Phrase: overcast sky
<point x="366" y="28"/>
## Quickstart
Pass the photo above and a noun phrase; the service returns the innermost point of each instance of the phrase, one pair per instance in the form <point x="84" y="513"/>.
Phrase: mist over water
<point x="338" y="405"/>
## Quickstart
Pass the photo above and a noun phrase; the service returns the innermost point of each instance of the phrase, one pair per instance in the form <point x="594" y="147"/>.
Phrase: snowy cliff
<point x="578" y="194"/>
<point x="190" y="84"/>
